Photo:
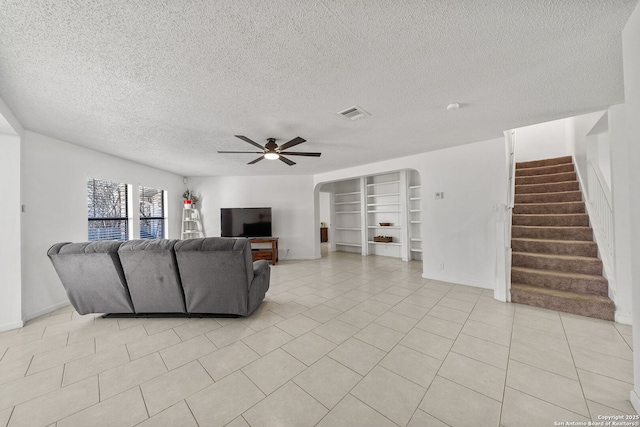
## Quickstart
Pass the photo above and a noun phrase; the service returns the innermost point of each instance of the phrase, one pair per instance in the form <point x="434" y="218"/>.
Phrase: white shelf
<point x="348" y="203"/>
<point x="415" y="239"/>
<point x="413" y="187"/>
<point x="348" y="228"/>
<point x="347" y="194"/>
<point x="389" y="211"/>
<point x="349" y="244"/>
<point x="416" y="250"/>
<point x="415" y="198"/>
<point x="348" y="212"/>
<point x="415" y="222"/>
<point x="382" y="183"/>
<point x="385" y="226"/>
<point x="385" y="243"/>
<point x="415" y="210"/>
<point x="384" y="204"/>
<point x="384" y="195"/>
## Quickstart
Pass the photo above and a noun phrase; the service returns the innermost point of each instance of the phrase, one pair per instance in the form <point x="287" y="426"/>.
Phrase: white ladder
<point x="191" y="224"/>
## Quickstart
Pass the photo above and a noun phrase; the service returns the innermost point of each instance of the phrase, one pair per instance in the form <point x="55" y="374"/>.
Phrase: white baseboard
<point x="457" y="280"/>
<point x="10" y="326"/>
<point x="45" y="310"/>
<point x="624" y="318"/>
<point x="635" y="401"/>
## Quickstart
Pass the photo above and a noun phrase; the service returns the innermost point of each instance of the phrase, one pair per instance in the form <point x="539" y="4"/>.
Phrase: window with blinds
<point x="152" y="218"/>
<point x="107" y="210"/>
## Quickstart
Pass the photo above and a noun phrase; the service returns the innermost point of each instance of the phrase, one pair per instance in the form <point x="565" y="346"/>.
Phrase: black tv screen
<point x="245" y="222"/>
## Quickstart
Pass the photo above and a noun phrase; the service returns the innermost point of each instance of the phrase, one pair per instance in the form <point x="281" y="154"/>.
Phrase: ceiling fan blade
<point x="287" y="161"/>
<point x="296" y="153"/>
<point x="256" y="160"/>
<point x="250" y="152"/>
<point x="244" y="138"/>
<point x="295" y="141"/>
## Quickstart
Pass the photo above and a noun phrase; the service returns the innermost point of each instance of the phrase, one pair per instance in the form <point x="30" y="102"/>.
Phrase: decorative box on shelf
<point x="382" y="239"/>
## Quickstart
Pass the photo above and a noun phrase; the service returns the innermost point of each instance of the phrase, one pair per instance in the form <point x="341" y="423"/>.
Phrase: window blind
<point x="107" y="210"/>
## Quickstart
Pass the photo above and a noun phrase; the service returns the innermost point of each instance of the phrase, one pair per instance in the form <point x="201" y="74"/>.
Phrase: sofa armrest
<point x="259" y="285"/>
<point x="260" y="267"/>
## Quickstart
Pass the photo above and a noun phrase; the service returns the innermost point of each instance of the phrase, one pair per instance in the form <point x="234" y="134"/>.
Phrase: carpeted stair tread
<point x="559" y="247"/>
<point x="544" y="179"/>
<point x="549" y="208"/>
<point x="552" y="233"/>
<point x="550" y="187"/>
<point x="554" y="197"/>
<point x="544" y="162"/>
<point x="551" y="220"/>
<point x="573" y="282"/>
<point x="599" y="307"/>
<point x="554" y="262"/>
<point x="545" y="170"/>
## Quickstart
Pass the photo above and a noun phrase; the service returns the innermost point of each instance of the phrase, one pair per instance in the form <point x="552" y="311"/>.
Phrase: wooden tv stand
<point x="265" y="253"/>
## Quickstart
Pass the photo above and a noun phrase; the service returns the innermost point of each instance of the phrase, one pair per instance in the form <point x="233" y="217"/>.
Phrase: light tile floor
<point x="344" y="340"/>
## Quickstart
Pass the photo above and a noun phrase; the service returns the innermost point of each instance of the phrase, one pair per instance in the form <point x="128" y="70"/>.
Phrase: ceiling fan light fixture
<point x="271" y="155"/>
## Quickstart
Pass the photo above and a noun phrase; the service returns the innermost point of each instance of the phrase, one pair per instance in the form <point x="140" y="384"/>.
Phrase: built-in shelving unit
<point x="348" y="210"/>
<point x="360" y="205"/>
<point x="415" y="214"/>
<point x="384" y="205"/>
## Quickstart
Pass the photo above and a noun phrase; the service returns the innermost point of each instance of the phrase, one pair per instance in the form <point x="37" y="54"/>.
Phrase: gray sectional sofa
<point x="197" y="277"/>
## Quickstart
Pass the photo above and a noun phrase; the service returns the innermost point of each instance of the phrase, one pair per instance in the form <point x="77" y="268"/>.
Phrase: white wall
<point x="325" y="208"/>
<point x="631" y="55"/>
<point x="541" y="141"/>
<point x="580" y="128"/>
<point x="622" y="194"/>
<point x="603" y="156"/>
<point x="459" y="230"/>
<point x="290" y="197"/>
<point x="10" y="271"/>
<point x="54" y="191"/>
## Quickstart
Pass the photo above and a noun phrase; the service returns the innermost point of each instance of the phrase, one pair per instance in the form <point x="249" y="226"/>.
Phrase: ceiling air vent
<point x="354" y="113"/>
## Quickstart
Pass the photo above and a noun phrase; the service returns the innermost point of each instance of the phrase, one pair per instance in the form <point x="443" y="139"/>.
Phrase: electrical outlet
<point x="438" y="195"/>
<point x="442" y="266"/>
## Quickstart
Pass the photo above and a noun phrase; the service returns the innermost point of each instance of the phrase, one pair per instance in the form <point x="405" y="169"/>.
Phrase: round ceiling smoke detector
<point x="453" y="106"/>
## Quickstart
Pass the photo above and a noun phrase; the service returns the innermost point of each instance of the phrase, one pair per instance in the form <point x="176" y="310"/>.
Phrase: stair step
<point x="552" y="233"/>
<point x="559" y="247"/>
<point x="558" y="197"/>
<point x="599" y="307"/>
<point x="549" y="208"/>
<point x="551" y="220"/>
<point x="555" y="262"/>
<point x="543" y="179"/>
<point x="574" y="282"/>
<point x="551" y="187"/>
<point x="545" y="170"/>
<point x="544" y="162"/>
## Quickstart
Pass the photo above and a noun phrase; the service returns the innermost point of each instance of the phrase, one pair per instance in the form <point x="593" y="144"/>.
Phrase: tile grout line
<point x="506" y="375"/>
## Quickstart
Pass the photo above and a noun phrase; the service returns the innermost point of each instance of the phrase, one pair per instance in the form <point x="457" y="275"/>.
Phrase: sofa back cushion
<point x="151" y="272"/>
<point x="92" y="276"/>
<point x="215" y="273"/>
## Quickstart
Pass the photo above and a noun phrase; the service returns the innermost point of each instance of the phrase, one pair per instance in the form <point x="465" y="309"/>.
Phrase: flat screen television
<point x="245" y="222"/>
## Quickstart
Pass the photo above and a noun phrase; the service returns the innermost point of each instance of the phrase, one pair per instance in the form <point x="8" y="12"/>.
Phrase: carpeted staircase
<point x="555" y="261"/>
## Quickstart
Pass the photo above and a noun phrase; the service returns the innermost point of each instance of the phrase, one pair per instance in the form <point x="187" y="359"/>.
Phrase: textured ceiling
<point x="168" y="83"/>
